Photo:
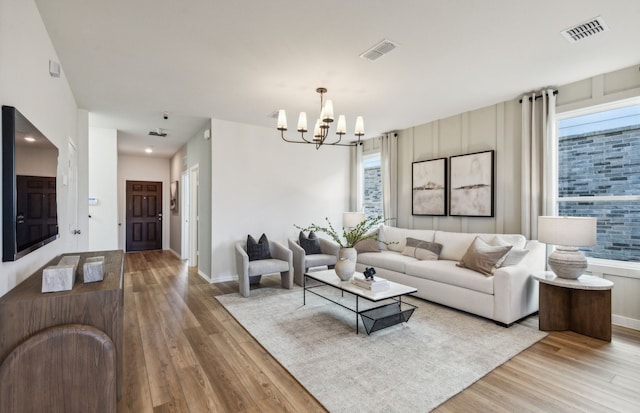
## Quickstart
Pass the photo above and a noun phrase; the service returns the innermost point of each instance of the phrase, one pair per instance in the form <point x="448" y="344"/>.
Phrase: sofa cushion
<point x="367" y="245"/>
<point x="258" y="250"/>
<point x="454" y="244"/>
<point x="318" y="260"/>
<point x="446" y="271"/>
<point x="421" y="249"/>
<point x="310" y="244"/>
<point x="513" y="257"/>
<point x="389" y="260"/>
<point x="482" y="257"/>
<point x="396" y="238"/>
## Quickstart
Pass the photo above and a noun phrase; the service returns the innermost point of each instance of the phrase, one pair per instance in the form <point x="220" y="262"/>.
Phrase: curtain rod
<point x="555" y="92"/>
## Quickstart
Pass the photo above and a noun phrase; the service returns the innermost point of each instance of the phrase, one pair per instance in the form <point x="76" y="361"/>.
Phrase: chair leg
<point x="285" y="279"/>
<point x="255" y="279"/>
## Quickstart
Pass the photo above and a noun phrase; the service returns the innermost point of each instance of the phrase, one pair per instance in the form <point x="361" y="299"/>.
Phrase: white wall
<point x="140" y="168"/>
<point x="103" y="185"/>
<point x="262" y="184"/>
<point x="25" y="50"/>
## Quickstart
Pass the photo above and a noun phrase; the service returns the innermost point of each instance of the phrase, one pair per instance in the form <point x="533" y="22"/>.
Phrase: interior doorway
<point x="144" y="215"/>
<point x="184" y="197"/>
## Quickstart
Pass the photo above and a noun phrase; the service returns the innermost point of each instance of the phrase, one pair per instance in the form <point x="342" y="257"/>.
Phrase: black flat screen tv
<point x="29" y="193"/>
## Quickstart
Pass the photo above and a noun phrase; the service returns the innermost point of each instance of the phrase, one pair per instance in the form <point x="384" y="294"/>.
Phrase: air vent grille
<point x="379" y="50"/>
<point x="584" y="30"/>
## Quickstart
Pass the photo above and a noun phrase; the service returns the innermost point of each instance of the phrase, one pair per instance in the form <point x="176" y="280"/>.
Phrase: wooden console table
<point x="32" y="330"/>
<point x="582" y="305"/>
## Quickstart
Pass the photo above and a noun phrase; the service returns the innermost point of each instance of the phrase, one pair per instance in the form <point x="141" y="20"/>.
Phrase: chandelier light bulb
<point x="282" y="120"/>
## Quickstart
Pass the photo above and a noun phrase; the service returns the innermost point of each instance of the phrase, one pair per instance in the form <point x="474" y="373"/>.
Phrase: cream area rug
<point x="410" y="367"/>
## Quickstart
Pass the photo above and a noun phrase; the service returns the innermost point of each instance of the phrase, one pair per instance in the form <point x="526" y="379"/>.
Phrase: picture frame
<point x="173" y="197"/>
<point x="471" y="190"/>
<point x="429" y="187"/>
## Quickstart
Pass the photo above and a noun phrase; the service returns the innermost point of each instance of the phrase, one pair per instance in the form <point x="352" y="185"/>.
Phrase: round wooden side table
<point x="582" y="305"/>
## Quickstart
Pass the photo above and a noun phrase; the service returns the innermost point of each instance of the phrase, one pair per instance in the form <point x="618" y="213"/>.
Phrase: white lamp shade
<point x="359" y="129"/>
<point x="317" y="135"/>
<point x="341" y="127"/>
<point x="302" y="122"/>
<point x="282" y="119"/>
<point x="567" y="231"/>
<point x="352" y="219"/>
<point x="327" y="112"/>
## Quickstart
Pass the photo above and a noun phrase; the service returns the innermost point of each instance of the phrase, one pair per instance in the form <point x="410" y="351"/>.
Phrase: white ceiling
<point x="129" y="61"/>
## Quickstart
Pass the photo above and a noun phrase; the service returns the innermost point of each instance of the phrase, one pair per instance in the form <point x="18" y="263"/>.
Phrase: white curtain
<point x="539" y="160"/>
<point x="389" y="172"/>
<point x="356" y="179"/>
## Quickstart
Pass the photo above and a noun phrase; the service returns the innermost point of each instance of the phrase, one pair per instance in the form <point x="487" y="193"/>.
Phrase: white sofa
<point x="505" y="297"/>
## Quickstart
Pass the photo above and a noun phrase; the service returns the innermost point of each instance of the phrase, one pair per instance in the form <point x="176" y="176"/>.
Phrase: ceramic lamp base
<point x="567" y="262"/>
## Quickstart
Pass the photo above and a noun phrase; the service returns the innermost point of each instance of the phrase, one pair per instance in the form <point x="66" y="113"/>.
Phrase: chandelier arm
<point x="290" y="141"/>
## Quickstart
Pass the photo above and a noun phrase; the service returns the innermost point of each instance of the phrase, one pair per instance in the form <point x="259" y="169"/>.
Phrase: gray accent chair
<point x="251" y="272"/>
<point x="302" y="262"/>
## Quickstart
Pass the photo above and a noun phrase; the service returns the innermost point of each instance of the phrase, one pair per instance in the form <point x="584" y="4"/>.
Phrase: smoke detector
<point x="584" y="30"/>
<point x="158" y="132"/>
<point x="378" y="50"/>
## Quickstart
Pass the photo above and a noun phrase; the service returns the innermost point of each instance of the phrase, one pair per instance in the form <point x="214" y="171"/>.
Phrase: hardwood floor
<point x="185" y="353"/>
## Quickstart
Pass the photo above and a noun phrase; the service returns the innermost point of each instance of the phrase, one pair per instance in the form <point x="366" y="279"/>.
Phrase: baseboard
<point x="621" y="321"/>
<point x="224" y="279"/>
<point x="174" y="253"/>
<point x="204" y="276"/>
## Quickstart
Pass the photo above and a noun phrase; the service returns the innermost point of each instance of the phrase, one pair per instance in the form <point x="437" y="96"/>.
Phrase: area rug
<point x="410" y="367"/>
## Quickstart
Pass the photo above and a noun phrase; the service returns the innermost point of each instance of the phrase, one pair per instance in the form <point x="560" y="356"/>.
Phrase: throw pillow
<point x="310" y="244"/>
<point x="513" y="257"/>
<point x="258" y="250"/>
<point x="367" y="245"/>
<point x="422" y="250"/>
<point x="482" y="257"/>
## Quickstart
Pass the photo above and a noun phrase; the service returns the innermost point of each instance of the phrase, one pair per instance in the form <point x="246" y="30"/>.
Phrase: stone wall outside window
<point x="604" y="163"/>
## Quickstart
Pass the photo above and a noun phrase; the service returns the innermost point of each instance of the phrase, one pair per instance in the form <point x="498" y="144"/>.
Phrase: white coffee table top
<point x="330" y="277"/>
<point x="585" y="282"/>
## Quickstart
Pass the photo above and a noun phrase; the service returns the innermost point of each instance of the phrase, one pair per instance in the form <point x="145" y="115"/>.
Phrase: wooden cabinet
<point x="25" y="312"/>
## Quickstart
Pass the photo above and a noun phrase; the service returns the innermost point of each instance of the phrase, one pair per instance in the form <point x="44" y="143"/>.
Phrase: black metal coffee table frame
<point x="373" y="319"/>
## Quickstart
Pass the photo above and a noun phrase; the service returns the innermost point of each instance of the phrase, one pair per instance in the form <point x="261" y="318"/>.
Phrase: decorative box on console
<point x="62" y="276"/>
<point x="93" y="269"/>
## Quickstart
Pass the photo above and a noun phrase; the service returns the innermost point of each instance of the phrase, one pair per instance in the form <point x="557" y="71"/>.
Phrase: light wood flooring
<point x="185" y="353"/>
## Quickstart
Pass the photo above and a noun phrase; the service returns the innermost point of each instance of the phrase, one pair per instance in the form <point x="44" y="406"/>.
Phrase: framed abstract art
<point x="429" y="187"/>
<point x="471" y="192"/>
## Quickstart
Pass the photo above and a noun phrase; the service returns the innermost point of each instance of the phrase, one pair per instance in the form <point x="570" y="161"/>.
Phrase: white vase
<point x="346" y="265"/>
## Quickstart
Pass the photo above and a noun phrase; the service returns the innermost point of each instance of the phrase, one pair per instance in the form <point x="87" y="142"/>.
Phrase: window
<point x="372" y="185"/>
<point x="599" y="176"/>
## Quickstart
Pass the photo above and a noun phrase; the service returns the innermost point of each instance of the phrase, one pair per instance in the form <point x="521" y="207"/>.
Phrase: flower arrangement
<point x="347" y="239"/>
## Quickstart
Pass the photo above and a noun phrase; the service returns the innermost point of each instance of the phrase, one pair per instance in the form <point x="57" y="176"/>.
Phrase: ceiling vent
<point x="584" y="30"/>
<point x="379" y="50"/>
<point x="158" y="132"/>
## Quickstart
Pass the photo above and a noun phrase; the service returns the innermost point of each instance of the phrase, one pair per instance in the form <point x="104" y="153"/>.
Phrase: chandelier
<point x="321" y="129"/>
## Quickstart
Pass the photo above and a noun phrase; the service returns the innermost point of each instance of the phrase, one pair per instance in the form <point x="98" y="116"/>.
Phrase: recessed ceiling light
<point x="148" y="150"/>
<point x="29" y="139"/>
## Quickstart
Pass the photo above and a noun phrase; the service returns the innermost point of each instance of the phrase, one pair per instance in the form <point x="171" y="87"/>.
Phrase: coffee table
<point x="392" y="310"/>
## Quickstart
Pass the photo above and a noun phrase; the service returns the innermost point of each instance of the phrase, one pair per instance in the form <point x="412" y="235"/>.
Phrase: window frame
<point x="598" y="264"/>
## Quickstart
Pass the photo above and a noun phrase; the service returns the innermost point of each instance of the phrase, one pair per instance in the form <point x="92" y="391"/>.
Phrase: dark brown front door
<point x="144" y="215"/>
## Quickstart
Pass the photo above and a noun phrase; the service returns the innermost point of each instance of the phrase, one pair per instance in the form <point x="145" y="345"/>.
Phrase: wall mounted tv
<point x="29" y="199"/>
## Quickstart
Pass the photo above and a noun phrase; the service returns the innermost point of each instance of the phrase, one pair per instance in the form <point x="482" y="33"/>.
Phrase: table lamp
<point x="567" y="233"/>
<point x="352" y="219"/>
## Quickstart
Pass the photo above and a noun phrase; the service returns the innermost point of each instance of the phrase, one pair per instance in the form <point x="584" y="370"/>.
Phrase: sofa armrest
<point x="515" y="293"/>
<point x="329" y="247"/>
